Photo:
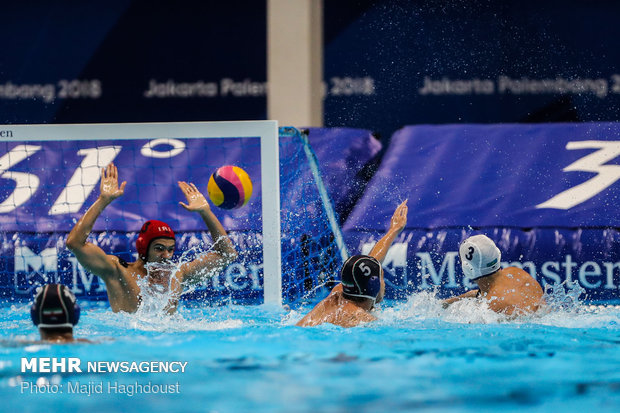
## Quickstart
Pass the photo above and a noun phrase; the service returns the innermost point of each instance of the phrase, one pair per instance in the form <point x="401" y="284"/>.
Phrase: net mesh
<point x="310" y="255"/>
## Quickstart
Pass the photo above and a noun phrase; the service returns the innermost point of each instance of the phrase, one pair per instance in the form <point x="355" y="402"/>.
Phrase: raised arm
<point x="223" y="253"/>
<point x="397" y="223"/>
<point x="93" y="258"/>
<point x="379" y="251"/>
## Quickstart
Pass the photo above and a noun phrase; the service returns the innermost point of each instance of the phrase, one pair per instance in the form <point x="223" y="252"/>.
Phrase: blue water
<point x="416" y="357"/>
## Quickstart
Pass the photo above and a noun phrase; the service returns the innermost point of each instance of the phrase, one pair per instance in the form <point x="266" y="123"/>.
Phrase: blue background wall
<point x="378" y="56"/>
<point x="399" y="44"/>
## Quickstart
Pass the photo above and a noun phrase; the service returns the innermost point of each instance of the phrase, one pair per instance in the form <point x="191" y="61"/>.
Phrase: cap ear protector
<point x="361" y="277"/>
<point x="54" y="306"/>
<point x="151" y="230"/>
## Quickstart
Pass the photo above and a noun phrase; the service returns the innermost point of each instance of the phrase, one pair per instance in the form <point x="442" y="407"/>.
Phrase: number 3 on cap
<point x="470" y="253"/>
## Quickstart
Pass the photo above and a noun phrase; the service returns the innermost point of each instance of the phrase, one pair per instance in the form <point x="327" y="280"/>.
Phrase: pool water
<point x="416" y="357"/>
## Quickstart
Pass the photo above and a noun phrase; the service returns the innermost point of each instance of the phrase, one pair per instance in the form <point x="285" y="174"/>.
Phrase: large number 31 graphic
<point x="83" y="180"/>
<point x="76" y="191"/>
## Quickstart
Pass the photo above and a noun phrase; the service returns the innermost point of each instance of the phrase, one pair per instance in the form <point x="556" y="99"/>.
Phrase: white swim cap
<point x="479" y="256"/>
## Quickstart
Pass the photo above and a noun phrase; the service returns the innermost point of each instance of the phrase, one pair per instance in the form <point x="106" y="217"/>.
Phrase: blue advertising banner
<point x="55" y="181"/>
<point x="428" y="259"/>
<point x="545" y="194"/>
<point x="549" y="175"/>
<point x="28" y="260"/>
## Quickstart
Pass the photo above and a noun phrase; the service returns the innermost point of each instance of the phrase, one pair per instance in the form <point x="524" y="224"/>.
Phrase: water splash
<point x="160" y="292"/>
<point x="564" y="296"/>
<point x="563" y="308"/>
<point x="160" y="289"/>
<point x="184" y="320"/>
<point x="425" y="305"/>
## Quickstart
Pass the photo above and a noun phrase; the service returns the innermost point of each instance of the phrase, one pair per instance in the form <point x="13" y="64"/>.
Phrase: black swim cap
<point x="361" y="277"/>
<point x="55" y="306"/>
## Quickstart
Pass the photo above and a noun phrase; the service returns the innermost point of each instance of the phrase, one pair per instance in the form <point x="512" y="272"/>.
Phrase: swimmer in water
<point x="56" y="311"/>
<point x="155" y="246"/>
<point x="511" y="290"/>
<point x="350" y="302"/>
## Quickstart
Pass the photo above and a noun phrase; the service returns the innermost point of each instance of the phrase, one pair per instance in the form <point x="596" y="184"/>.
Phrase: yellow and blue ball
<point x="230" y="187"/>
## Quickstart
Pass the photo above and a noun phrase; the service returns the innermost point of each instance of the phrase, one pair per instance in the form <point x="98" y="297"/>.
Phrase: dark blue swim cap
<point x="55" y="306"/>
<point x="361" y="277"/>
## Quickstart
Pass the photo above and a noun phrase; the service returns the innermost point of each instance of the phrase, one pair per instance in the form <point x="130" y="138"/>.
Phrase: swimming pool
<point x="417" y="356"/>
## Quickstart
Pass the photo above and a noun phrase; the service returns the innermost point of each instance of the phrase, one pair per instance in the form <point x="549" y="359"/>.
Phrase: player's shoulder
<point x="520" y="276"/>
<point x="514" y="271"/>
<point x="118" y="267"/>
<point x="121" y="261"/>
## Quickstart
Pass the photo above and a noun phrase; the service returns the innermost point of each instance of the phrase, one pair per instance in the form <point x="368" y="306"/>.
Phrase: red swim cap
<point x="150" y="230"/>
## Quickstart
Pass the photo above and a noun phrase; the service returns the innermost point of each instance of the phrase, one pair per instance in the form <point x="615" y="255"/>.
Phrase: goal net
<point x="287" y="236"/>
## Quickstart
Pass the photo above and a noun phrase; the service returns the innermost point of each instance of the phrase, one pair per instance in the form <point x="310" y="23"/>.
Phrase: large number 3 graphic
<point x="606" y="176"/>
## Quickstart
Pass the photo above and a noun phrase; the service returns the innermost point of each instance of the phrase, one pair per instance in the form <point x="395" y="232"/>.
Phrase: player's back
<point x="337" y="310"/>
<point x="514" y="291"/>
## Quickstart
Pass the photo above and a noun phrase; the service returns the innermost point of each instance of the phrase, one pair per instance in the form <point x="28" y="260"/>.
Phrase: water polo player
<point x="155" y="244"/>
<point x="55" y="311"/>
<point x="511" y="290"/>
<point x="361" y="286"/>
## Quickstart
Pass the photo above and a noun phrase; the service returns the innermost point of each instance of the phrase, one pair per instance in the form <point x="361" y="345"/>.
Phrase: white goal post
<point x="267" y="131"/>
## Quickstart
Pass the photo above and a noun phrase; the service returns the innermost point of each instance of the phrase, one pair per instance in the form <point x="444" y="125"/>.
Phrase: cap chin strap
<point x="483" y="275"/>
<point x="54" y="326"/>
<point x="374" y="299"/>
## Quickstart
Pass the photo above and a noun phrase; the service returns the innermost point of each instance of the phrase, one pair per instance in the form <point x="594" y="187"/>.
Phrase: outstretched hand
<point x="196" y="201"/>
<point x="399" y="219"/>
<point x="109" y="189"/>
